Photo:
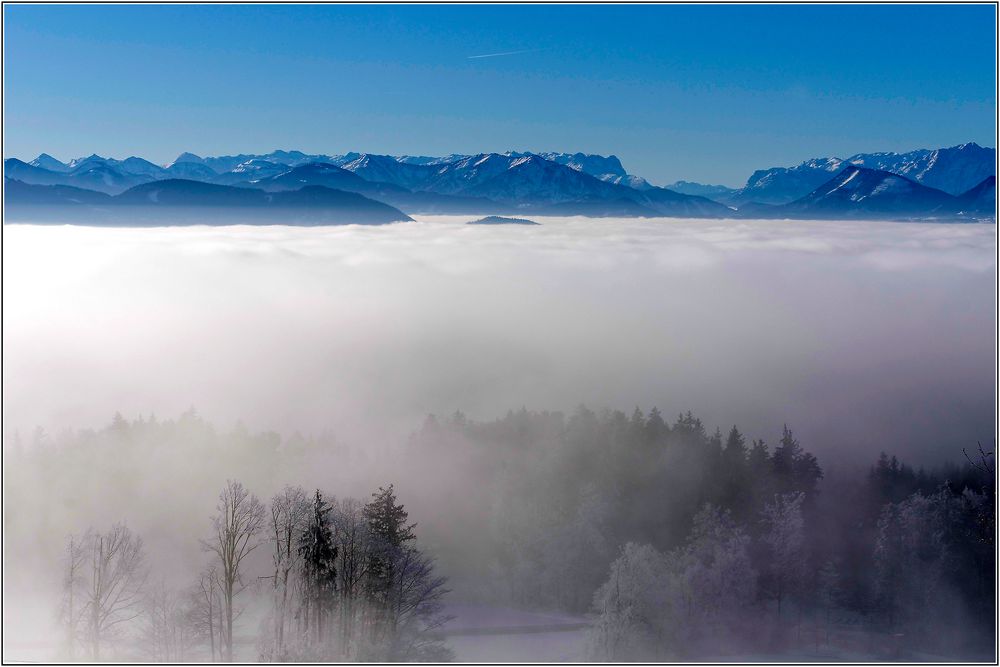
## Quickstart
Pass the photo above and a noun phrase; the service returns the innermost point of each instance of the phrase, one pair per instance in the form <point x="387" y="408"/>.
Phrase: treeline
<point x="561" y="495"/>
<point x="346" y="582"/>
<point x="677" y="540"/>
<point x="723" y="537"/>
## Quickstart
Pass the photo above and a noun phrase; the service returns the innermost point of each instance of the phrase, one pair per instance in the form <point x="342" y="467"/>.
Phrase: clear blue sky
<point x="705" y="93"/>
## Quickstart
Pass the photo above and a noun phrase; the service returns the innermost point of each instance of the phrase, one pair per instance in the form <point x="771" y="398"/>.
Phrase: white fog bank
<point x="861" y="335"/>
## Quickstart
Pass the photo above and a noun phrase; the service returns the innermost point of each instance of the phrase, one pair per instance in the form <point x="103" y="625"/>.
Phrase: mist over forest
<point x="685" y="439"/>
<point x="859" y="333"/>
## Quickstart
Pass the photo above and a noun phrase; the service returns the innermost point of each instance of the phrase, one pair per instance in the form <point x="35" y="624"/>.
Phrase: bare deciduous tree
<point x="113" y="590"/>
<point x="416" y="615"/>
<point x="288" y="514"/>
<point x="169" y="634"/>
<point x="239" y="520"/>
<point x="73" y="608"/>
<point x="205" y="609"/>
<point x="353" y="562"/>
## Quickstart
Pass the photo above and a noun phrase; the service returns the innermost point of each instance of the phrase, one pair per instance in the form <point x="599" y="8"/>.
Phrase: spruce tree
<point x="389" y="532"/>
<point x="319" y="574"/>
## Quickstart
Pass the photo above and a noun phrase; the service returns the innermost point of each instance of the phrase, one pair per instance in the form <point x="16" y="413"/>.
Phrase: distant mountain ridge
<point x="982" y="197"/>
<point x="178" y="201"/>
<point x="952" y="170"/>
<point x="552" y="183"/>
<point x="860" y="192"/>
<point x="720" y="193"/>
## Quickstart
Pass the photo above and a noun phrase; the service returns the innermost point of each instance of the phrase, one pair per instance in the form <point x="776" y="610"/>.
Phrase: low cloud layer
<point x="862" y="336"/>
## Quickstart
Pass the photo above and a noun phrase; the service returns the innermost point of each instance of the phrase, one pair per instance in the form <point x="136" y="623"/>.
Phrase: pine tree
<point x="715" y="447"/>
<point x="736" y="485"/>
<point x="637" y="428"/>
<point x="783" y="460"/>
<point x="760" y="482"/>
<point x="735" y="451"/>
<point x="389" y="532"/>
<point x="656" y="428"/>
<point x="402" y="592"/>
<point x="319" y="574"/>
<point x="795" y="470"/>
<point x="387" y="518"/>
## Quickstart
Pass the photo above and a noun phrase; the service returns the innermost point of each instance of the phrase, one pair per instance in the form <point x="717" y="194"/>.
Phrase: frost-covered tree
<point x="630" y="607"/>
<point x="582" y="549"/>
<point x="654" y="606"/>
<point x="911" y="557"/>
<point x="830" y="593"/>
<point x="711" y="580"/>
<point x="784" y="544"/>
<point x="563" y="557"/>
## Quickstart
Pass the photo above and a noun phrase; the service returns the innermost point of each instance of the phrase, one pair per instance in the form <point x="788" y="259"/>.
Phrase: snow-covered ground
<point x="566" y="646"/>
<point x="481" y="633"/>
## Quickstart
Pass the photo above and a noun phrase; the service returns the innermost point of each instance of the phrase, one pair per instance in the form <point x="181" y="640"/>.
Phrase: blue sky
<point x="706" y="93"/>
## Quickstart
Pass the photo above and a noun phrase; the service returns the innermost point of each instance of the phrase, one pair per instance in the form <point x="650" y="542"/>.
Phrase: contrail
<point x="505" y="53"/>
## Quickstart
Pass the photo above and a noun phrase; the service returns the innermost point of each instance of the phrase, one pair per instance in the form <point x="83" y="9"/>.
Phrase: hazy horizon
<point x="352" y="328"/>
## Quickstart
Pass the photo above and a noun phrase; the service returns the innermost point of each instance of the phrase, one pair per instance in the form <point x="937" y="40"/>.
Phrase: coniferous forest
<point x="671" y="540"/>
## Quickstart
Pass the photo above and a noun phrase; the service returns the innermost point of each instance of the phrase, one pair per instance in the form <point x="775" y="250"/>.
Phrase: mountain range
<point x="947" y="183"/>
<point x="859" y="192"/>
<point x="952" y="170"/>
<point x="178" y="201"/>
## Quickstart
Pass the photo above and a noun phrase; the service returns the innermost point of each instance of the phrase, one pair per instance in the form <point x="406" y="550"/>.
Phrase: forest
<point x="172" y="540"/>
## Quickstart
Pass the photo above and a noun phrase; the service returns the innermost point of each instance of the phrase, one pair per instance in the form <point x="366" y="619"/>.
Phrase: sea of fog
<point x="862" y="336"/>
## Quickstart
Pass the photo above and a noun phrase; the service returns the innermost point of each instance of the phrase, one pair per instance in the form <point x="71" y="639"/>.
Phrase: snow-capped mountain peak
<point x="46" y="161"/>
